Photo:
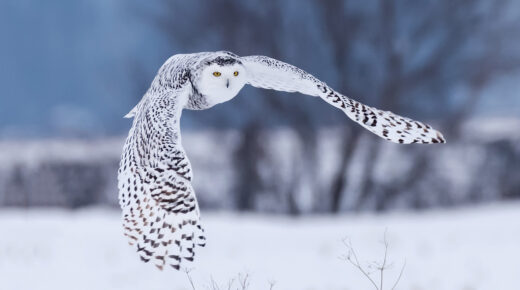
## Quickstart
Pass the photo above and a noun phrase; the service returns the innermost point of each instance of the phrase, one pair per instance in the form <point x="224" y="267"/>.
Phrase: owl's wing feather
<point x="269" y="73"/>
<point x="160" y="211"/>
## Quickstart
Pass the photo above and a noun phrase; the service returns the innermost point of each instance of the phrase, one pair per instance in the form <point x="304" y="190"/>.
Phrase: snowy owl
<point x="160" y="212"/>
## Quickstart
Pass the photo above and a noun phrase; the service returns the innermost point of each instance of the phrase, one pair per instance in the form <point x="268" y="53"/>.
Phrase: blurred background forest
<point x="70" y="70"/>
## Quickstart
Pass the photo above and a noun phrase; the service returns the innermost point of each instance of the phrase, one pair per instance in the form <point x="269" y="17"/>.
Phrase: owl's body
<point x="160" y="210"/>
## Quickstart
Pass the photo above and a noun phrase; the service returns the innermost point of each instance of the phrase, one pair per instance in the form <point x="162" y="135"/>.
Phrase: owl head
<point x="220" y="78"/>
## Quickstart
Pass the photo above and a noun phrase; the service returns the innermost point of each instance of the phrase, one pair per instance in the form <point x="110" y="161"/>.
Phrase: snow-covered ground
<point x="474" y="248"/>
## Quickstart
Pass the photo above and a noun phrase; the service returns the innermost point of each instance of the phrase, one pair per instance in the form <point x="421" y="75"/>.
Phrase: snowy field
<point x="464" y="249"/>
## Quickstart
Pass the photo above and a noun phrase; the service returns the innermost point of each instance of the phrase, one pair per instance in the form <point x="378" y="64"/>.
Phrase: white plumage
<point x="160" y="210"/>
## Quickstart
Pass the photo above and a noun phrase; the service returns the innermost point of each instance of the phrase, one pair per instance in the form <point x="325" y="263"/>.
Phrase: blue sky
<point x="74" y="68"/>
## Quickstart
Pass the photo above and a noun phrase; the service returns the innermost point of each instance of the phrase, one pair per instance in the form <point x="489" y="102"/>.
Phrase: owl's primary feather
<point x="160" y="210"/>
<point x="268" y="73"/>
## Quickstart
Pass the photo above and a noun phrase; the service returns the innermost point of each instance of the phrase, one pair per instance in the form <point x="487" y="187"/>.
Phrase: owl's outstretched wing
<point x="268" y="73"/>
<point x="160" y="211"/>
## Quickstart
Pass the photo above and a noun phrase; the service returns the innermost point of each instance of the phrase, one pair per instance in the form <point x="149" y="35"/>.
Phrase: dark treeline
<point x="408" y="57"/>
<point x="430" y="60"/>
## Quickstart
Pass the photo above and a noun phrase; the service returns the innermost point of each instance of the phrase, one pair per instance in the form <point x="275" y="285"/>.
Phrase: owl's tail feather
<point x="163" y="239"/>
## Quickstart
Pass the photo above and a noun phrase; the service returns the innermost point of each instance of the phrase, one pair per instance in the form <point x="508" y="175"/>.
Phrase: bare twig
<point x="230" y="283"/>
<point x="240" y="282"/>
<point x="271" y="284"/>
<point x="383" y="266"/>
<point x="213" y="285"/>
<point x="400" y="274"/>
<point x="187" y="271"/>
<point x="380" y="267"/>
<point x="244" y="281"/>
<point x="353" y="259"/>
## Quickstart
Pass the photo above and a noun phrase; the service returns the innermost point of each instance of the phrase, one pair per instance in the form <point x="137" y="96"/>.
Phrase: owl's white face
<point x="221" y="83"/>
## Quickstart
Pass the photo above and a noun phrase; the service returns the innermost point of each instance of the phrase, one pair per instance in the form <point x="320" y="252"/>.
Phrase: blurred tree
<point x="342" y="31"/>
<point x="462" y="26"/>
<point x="387" y="52"/>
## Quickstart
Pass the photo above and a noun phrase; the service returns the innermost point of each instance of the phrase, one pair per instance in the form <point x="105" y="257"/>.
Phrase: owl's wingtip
<point x="443" y="141"/>
<point x="440" y="138"/>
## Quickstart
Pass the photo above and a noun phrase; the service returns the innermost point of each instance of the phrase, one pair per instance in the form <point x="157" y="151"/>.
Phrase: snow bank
<point x="464" y="249"/>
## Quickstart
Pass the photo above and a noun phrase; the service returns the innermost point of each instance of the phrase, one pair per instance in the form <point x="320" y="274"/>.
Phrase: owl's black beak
<point x="227" y="83"/>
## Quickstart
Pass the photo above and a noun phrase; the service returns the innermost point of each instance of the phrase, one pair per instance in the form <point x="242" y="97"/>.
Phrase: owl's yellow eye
<point x="217" y="73"/>
<point x="235" y="73"/>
